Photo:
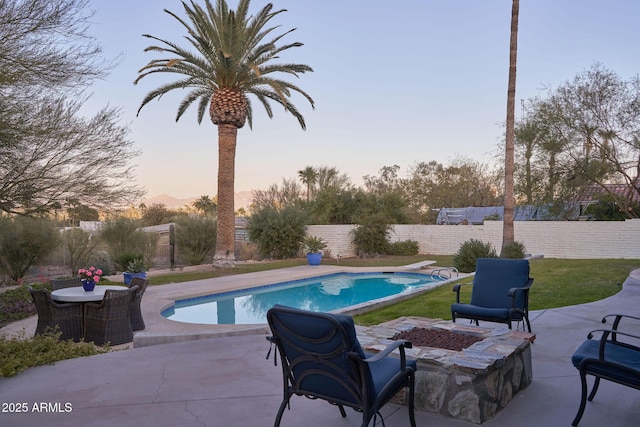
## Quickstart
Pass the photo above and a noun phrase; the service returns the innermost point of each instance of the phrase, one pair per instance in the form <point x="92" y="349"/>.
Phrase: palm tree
<point x="308" y="176"/>
<point x="205" y="204"/>
<point x="231" y="60"/>
<point x="508" y="235"/>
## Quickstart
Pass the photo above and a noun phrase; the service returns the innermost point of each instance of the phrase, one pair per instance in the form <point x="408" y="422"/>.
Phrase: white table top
<point x="78" y="294"/>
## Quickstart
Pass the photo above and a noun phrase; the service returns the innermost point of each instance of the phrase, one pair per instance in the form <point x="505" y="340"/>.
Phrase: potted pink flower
<point x="89" y="276"/>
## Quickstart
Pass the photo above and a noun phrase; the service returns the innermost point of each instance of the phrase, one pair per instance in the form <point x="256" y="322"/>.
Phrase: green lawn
<point x="557" y="283"/>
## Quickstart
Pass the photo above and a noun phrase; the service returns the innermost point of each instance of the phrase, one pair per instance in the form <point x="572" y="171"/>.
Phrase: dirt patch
<point x="438" y="338"/>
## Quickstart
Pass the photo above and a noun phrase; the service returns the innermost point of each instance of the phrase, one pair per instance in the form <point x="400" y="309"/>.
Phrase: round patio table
<point x="78" y="294"/>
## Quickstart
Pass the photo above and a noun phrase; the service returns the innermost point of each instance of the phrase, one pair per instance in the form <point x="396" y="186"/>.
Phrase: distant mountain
<point x="242" y="200"/>
<point x="169" y="201"/>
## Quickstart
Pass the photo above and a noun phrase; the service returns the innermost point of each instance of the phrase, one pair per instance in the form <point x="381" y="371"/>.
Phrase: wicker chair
<point x="65" y="317"/>
<point x="65" y="283"/>
<point x="109" y="321"/>
<point x="137" y="322"/>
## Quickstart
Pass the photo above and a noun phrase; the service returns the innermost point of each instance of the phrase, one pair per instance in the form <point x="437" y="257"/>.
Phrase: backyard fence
<point x="552" y="239"/>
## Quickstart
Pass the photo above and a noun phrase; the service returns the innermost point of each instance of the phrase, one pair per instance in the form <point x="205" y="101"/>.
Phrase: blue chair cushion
<point x="316" y="327"/>
<point x="482" y="312"/>
<point x="493" y="279"/>
<point x="347" y="324"/>
<point x="316" y="376"/>
<point x="613" y="353"/>
<point x="383" y="370"/>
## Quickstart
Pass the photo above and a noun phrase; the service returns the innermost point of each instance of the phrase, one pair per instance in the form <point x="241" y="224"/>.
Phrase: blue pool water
<point x="322" y="293"/>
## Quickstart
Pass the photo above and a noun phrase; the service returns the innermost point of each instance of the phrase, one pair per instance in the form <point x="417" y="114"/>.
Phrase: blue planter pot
<point x="128" y="276"/>
<point x="88" y="285"/>
<point x="315" y="258"/>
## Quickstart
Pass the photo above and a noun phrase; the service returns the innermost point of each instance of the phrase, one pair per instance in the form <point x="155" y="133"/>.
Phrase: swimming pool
<point x="321" y="293"/>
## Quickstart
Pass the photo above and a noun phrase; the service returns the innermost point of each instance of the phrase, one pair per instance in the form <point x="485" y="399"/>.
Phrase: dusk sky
<point x="393" y="82"/>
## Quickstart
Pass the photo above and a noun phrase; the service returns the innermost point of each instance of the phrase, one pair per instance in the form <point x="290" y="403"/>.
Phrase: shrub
<point x="195" y="238"/>
<point x="19" y="353"/>
<point x="465" y="259"/>
<point x="126" y="241"/>
<point x="514" y="250"/>
<point x="607" y="209"/>
<point x="246" y="251"/>
<point x="370" y="237"/>
<point x="102" y="261"/>
<point x="137" y="265"/>
<point x="23" y="242"/>
<point x="277" y="233"/>
<point x="80" y="247"/>
<point x="406" y="247"/>
<point x="313" y="244"/>
<point x="16" y="304"/>
<point x="123" y="260"/>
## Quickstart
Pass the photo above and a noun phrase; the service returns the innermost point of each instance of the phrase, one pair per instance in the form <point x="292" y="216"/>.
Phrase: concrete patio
<point x="211" y="376"/>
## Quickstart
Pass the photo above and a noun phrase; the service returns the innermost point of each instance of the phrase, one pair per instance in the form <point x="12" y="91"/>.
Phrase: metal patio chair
<point x="322" y="359"/>
<point x="615" y="357"/>
<point x="500" y="292"/>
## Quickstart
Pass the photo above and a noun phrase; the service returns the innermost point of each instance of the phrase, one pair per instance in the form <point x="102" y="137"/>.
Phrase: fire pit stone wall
<point x="472" y="384"/>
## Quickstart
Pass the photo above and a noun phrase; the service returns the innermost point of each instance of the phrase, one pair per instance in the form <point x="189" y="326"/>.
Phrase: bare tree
<point x="45" y="43"/>
<point x="63" y="155"/>
<point x="277" y="196"/>
<point x="49" y="152"/>
<point x="463" y="182"/>
<point x="587" y="139"/>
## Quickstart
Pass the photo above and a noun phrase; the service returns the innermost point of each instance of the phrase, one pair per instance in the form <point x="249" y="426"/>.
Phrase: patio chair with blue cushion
<point x="500" y="292"/>
<point x="614" y="357"/>
<point x="322" y="359"/>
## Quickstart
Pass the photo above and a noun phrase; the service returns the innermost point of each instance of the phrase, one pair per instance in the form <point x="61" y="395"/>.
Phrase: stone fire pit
<point x="472" y="384"/>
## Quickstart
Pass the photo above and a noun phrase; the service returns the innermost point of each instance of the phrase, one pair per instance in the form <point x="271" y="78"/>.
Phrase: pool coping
<point x="160" y="330"/>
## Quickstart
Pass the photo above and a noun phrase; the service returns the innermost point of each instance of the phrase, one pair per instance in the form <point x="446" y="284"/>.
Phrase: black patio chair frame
<point x="322" y="359"/>
<point x="607" y="358"/>
<point x="500" y="292"/>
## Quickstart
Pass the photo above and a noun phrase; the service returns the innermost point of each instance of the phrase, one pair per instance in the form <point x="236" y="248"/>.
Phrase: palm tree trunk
<point x="508" y="235"/>
<point x="225" y="237"/>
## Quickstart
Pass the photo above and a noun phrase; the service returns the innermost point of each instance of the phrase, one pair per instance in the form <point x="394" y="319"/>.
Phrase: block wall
<point x="552" y="239"/>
